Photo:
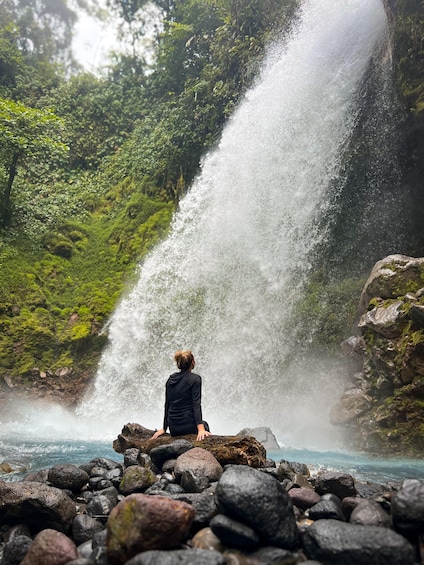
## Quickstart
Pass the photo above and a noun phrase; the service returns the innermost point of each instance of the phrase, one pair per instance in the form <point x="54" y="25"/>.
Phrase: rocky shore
<point x="178" y="502"/>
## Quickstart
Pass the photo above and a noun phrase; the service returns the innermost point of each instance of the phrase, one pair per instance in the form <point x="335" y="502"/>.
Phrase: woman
<point x="183" y="393"/>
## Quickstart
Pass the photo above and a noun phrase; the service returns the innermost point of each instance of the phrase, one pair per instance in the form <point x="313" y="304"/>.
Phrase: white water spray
<point x="224" y="281"/>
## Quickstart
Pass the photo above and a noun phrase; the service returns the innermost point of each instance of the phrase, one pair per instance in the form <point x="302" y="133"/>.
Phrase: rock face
<point x="236" y="450"/>
<point x="382" y="408"/>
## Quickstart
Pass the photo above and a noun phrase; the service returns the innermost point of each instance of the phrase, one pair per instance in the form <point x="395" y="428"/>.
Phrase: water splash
<point x="223" y="283"/>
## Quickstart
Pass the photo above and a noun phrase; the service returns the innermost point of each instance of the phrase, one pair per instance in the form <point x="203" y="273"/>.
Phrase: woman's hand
<point x="201" y="432"/>
<point x="158" y="433"/>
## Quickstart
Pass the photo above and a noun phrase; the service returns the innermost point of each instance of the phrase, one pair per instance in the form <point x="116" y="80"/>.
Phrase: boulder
<point x="259" y="501"/>
<point x="233" y="533"/>
<point x="264" y="435"/>
<point x="84" y="527"/>
<point x="15" y="550"/>
<point x="199" y="461"/>
<point x="50" y="547"/>
<point x="340" y="484"/>
<point x="169" y="451"/>
<point x="36" y="504"/>
<point x="237" y="450"/>
<point x="370" y="513"/>
<point x="407" y="507"/>
<point x="136" y="479"/>
<point x="391" y="277"/>
<point x="204" y="505"/>
<point x="340" y="543"/>
<point x="141" y="523"/>
<point x="327" y="510"/>
<point x="303" y="497"/>
<point x="68" y="476"/>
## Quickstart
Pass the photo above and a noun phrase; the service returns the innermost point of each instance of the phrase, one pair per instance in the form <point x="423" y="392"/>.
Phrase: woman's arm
<point x="201" y="432"/>
<point x="158" y="433"/>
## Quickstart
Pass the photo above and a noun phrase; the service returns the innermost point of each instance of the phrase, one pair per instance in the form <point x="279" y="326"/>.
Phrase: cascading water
<point x="224" y="282"/>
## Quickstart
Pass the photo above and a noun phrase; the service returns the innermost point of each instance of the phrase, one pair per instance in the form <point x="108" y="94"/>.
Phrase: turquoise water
<point x="30" y="456"/>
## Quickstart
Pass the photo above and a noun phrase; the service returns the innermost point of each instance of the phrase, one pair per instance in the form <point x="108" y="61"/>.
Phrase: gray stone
<point x="340" y="543"/>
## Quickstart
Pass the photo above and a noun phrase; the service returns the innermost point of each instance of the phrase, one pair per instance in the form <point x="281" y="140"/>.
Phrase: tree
<point x="25" y="135"/>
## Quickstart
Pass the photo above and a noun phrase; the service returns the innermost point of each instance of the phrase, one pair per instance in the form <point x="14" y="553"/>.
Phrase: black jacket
<point x="183" y="411"/>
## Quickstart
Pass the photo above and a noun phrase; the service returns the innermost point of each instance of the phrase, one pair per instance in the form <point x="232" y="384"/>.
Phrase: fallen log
<point x="235" y="450"/>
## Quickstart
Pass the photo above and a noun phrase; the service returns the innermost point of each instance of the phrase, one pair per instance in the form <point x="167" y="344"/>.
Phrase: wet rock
<point x="50" y="547"/>
<point x="326" y="510"/>
<point x="303" y="497"/>
<point x="233" y="533"/>
<point x="36" y="504"/>
<point x="136" y="479"/>
<point x="370" y="513"/>
<point x="100" y="506"/>
<point x="200" y="463"/>
<point x="84" y="527"/>
<point x="341" y="543"/>
<point x="260" y="502"/>
<point x="15" y="550"/>
<point x="408" y="507"/>
<point x="204" y="505"/>
<point x="172" y="450"/>
<point x="68" y="477"/>
<point x="142" y="523"/>
<point x="340" y="484"/>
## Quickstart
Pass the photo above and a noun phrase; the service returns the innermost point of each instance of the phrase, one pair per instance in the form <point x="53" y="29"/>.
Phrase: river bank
<point x="283" y="512"/>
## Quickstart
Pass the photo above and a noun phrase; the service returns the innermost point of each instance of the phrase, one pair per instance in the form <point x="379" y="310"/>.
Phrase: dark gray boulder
<point x="84" y="527"/>
<point x="258" y="500"/>
<point x="38" y="505"/>
<point x="340" y="484"/>
<point x="233" y="533"/>
<point x="340" y="543"/>
<point x="68" y="476"/>
<point x="408" y="507"/>
<point x="326" y="510"/>
<point x="172" y="450"/>
<point x="370" y="513"/>
<point x="15" y="550"/>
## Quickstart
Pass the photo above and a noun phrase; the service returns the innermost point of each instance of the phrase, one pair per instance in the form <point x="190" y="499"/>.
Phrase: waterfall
<point x="224" y="282"/>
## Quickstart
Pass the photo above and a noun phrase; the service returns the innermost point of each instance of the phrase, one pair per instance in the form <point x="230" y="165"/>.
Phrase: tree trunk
<point x="5" y="212"/>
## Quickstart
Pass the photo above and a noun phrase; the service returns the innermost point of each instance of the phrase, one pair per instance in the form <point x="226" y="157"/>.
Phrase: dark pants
<point x="185" y="430"/>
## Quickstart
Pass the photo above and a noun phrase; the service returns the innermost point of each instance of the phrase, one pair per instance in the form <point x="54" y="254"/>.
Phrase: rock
<point x="50" y="547"/>
<point x="131" y="457"/>
<point x="276" y="556"/>
<point x="259" y="501"/>
<point x="303" y="498"/>
<point x="200" y="462"/>
<point x="340" y="543"/>
<point x="416" y="313"/>
<point x="206" y="539"/>
<point x="370" y="513"/>
<point x="204" y="505"/>
<point x="233" y="533"/>
<point x="340" y="484"/>
<point x="15" y="550"/>
<point x="236" y="450"/>
<point x="407" y="508"/>
<point x="169" y="451"/>
<point x="84" y="527"/>
<point x="67" y="477"/>
<point x="36" y="504"/>
<point x="264" y="435"/>
<point x="353" y="403"/>
<point x="142" y="523"/>
<point x="100" y="506"/>
<point x="326" y="510"/>
<point x="389" y="321"/>
<point x="178" y="557"/>
<point x="390" y="278"/>
<point x="136" y="479"/>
